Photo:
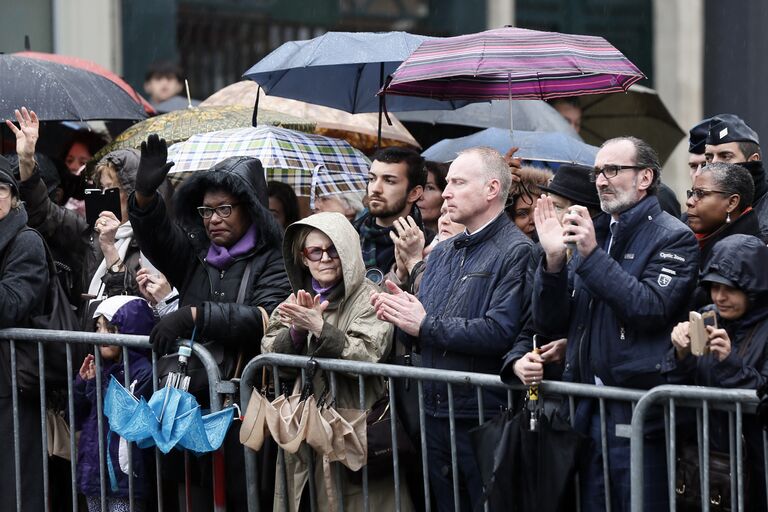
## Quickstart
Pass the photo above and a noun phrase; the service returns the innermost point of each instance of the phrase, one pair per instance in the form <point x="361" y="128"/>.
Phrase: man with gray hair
<point x="472" y="304"/>
<point x="616" y="301"/>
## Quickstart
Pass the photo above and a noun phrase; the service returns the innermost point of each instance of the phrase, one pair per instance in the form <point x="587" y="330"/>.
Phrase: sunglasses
<point x="223" y="211"/>
<point x="316" y="253"/>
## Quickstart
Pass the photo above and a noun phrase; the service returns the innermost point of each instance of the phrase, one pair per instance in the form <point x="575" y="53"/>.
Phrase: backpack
<point x="57" y="315"/>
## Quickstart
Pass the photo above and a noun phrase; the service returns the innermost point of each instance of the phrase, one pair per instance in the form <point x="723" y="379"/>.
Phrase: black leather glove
<point x="153" y="166"/>
<point x="171" y="327"/>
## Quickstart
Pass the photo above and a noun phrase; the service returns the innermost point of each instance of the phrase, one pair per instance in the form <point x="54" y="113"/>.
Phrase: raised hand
<point x="26" y="139"/>
<point x="550" y="233"/>
<point x="153" y="166"/>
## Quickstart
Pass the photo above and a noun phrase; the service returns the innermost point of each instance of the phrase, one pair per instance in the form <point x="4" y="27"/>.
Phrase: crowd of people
<point x="458" y="266"/>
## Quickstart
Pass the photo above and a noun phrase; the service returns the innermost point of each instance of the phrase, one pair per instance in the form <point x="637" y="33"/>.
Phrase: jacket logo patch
<point x="671" y="256"/>
<point x="668" y="271"/>
<point x="629" y="256"/>
<point x="664" y="280"/>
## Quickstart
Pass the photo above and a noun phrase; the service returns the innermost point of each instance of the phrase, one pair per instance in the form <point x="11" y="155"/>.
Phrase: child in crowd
<point x="121" y="314"/>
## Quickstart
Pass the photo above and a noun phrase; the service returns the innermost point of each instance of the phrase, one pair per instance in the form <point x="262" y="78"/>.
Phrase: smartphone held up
<point x="98" y="200"/>
<point x="697" y="331"/>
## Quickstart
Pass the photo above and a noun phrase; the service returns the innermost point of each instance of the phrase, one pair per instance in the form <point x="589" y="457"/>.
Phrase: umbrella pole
<point x="254" y="119"/>
<point x="381" y="104"/>
<point x="511" y="123"/>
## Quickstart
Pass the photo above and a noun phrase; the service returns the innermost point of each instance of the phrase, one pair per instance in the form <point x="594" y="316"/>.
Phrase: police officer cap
<point x="725" y="128"/>
<point x="697" y="137"/>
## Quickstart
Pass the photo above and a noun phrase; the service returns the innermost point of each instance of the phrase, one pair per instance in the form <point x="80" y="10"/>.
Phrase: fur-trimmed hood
<point x="237" y="175"/>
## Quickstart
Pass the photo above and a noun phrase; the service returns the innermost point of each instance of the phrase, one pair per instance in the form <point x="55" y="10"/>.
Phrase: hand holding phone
<point x="97" y="201"/>
<point x="698" y="331"/>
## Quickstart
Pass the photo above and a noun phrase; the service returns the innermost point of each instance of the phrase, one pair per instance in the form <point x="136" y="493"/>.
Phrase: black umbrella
<point x="524" y="470"/>
<point x="57" y="92"/>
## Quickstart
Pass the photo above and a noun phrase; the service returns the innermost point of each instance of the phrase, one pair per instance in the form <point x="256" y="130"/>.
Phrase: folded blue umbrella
<point x="175" y="422"/>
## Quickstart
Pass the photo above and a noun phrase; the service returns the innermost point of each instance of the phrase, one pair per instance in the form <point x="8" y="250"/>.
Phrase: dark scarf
<point x="223" y="257"/>
<point x="378" y="249"/>
<point x="755" y="168"/>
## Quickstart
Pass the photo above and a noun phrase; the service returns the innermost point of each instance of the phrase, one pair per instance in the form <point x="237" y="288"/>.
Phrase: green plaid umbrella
<point x="311" y="164"/>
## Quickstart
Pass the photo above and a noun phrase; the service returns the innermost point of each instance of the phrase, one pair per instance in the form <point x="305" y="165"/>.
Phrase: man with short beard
<point x="631" y="273"/>
<point x="732" y="141"/>
<point x="395" y="182"/>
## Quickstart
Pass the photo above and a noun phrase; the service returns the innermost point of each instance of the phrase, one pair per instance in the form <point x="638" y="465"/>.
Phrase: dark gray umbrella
<point x="57" y="92"/>
<point x="342" y="70"/>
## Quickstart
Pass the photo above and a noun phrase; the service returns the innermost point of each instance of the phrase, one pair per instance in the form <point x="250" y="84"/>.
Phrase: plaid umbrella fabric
<point x="514" y="63"/>
<point x="298" y="159"/>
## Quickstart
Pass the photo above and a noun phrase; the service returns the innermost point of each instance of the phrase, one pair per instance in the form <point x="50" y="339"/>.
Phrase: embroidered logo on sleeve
<point x="664" y="280"/>
<point x="671" y="256"/>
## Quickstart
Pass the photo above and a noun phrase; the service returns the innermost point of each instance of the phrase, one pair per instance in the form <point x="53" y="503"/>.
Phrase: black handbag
<point x="688" y="481"/>
<point x="379" y="434"/>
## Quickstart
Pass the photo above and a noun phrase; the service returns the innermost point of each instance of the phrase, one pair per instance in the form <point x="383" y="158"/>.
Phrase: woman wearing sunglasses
<point x="329" y="315"/>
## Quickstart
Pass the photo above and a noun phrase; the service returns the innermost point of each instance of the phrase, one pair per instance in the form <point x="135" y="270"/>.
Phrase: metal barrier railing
<point x="40" y="337"/>
<point x="452" y="379"/>
<point x="736" y="402"/>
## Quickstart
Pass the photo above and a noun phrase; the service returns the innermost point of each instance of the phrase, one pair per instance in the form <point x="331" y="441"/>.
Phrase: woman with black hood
<point x="737" y="282"/>
<point x="23" y="285"/>
<point x="222" y="254"/>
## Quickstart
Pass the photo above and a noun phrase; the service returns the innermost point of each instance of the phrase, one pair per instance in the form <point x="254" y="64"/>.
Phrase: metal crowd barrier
<point x="735" y="402"/>
<point x="453" y="379"/>
<point x="40" y="337"/>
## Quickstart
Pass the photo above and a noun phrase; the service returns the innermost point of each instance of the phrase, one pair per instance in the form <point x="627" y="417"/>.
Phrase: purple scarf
<point x="222" y="258"/>
<point x="324" y="292"/>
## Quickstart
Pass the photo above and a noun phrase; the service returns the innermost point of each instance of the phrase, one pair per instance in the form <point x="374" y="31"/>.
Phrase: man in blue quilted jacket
<point x="471" y="306"/>
<point x="616" y="301"/>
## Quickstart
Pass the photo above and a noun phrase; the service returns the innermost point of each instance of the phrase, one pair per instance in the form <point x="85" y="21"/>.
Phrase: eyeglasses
<point x="610" y="171"/>
<point x="223" y="211"/>
<point x="316" y="253"/>
<point x="699" y="193"/>
<point x="5" y="191"/>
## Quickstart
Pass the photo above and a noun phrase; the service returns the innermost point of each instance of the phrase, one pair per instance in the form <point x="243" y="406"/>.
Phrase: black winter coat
<point x="179" y="250"/>
<point x="474" y="294"/>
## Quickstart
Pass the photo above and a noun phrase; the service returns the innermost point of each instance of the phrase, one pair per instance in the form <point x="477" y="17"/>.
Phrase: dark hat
<point x="573" y="182"/>
<point x="725" y="128"/>
<point x="697" y="137"/>
<point x="6" y="175"/>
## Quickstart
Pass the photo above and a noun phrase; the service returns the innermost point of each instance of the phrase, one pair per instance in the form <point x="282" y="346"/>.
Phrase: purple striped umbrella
<point x="514" y="63"/>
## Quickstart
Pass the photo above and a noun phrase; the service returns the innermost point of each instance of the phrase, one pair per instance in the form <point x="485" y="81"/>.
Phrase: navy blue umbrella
<point x="342" y="70"/>
<point x="57" y="92"/>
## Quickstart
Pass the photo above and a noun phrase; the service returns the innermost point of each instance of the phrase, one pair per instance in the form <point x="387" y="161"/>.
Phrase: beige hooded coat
<point x="351" y="331"/>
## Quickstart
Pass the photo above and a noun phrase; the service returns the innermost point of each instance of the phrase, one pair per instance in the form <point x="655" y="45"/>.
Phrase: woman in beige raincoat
<point x="329" y="316"/>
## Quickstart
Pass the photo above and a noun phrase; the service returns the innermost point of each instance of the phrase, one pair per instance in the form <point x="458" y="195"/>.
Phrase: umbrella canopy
<point x="93" y="68"/>
<point x="58" y="92"/>
<point x="640" y="112"/>
<point x="513" y="63"/>
<point x="544" y="146"/>
<point x="524" y="470"/>
<point x="529" y="115"/>
<point x="180" y="125"/>
<point x="181" y="423"/>
<point x="360" y="130"/>
<point x="342" y="70"/>
<point x="289" y="156"/>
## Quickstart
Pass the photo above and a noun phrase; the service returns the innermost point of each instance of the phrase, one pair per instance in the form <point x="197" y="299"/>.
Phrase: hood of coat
<point x="344" y="237"/>
<point x="240" y="176"/>
<point x="126" y="161"/>
<point x="739" y="259"/>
